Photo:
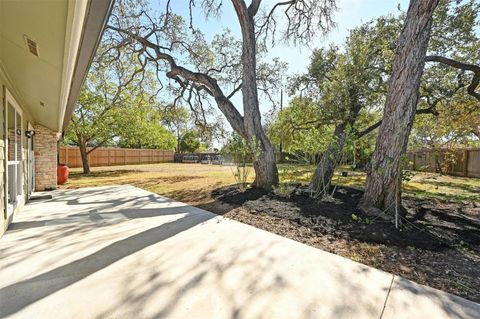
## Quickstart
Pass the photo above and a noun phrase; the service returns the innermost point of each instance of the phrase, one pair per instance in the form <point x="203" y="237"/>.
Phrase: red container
<point x="62" y="173"/>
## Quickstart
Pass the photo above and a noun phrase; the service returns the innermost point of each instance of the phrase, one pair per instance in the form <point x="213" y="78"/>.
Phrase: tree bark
<point x="382" y="189"/>
<point x="476" y="130"/>
<point x="249" y="125"/>
<point x="266" y="174"/>
<point x="322" y="177"/>
<point x="329" y="160"/>
<point x="84" y="156"/>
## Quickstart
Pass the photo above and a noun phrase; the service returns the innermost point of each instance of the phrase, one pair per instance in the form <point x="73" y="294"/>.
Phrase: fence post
<point x="465" y="167"/>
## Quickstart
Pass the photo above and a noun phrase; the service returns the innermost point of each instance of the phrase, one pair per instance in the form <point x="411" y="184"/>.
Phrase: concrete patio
<point x="122" y="252"/>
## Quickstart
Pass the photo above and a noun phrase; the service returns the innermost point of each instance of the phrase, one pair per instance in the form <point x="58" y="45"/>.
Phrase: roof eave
<point x="96" y="20"/>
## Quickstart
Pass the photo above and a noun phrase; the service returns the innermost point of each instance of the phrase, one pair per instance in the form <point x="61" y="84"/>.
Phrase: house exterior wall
<point x="26" y="118"/>
<point x="69" y="33"/>
<point x="3" y="221"/>
<point x="3" y="214"/>
<point x="45" y="158"/>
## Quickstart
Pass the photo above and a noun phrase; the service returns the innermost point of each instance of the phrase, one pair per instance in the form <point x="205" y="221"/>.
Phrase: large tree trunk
<point x="249" y="125"/>
<point x="266" y="174"/>
<point x="329" y="160"/>
<point x="84" y="156"/>
<point x="382" y="189"/>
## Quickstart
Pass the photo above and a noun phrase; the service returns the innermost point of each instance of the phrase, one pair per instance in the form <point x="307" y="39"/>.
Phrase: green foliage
<point x="359" y="219"/>
<point x="407" y="175"/>
<point x="443" y="88"/>
<point x="343" y="93"/>
<point x="284" y="190"/>
<point x="87" y="126"/>
<point x="140" y="127"/>
<point x="297" y="128"/>
<point x="116" y="108"/>
<point x="455" y="30"/>
<point x="347" y="85"/>
<point x="451" y="128"/>
<point x="177" y="120"/>
<point x="240" y="152"/>
<point x="236" y="149"/>
<point x="189" y="142"/>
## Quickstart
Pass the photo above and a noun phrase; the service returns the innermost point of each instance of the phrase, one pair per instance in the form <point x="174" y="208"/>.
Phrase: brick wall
<point x="45" y="158"/>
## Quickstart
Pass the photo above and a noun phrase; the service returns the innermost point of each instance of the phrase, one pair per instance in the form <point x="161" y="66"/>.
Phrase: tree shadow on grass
<point x="457" y="186"/>
<point x="106" y="173"/>
<point x="429" y="194"/>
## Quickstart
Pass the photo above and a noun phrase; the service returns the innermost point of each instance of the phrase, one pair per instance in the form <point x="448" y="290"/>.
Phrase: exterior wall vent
<point x="31" y="45"/>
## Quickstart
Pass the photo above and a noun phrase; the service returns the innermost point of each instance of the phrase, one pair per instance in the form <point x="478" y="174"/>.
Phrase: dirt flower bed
<point x="438" y="243"/>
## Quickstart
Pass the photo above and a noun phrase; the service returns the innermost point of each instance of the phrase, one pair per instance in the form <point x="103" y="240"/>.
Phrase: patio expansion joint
<point x="386" y="298"/>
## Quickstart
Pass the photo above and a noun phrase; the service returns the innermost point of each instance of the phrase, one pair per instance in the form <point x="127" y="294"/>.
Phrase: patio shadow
<point x="64" y="276"/>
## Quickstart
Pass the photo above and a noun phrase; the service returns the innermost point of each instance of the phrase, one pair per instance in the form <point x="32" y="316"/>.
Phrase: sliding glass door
<point x="13" y="147"/>
<point x="31" y="163"/>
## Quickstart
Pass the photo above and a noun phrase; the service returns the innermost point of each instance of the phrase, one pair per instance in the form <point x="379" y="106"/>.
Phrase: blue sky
<point x="350" y="14"/>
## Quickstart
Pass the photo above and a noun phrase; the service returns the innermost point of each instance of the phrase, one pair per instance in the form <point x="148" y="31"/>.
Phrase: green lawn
<point x="193" y="183"/>
<point x="422" y="184"/>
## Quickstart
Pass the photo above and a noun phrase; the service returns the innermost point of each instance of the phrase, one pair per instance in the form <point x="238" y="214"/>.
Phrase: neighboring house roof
<point x="66" y="35"/>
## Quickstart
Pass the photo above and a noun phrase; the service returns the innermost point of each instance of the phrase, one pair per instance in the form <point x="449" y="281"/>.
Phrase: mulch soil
<point x="436" y="244"/>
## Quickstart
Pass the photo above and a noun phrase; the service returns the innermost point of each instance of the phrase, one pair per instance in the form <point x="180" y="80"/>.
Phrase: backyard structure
<point x="45" y="51"/>
<point x="123" y="252"/>
<point x="111" y="156"/>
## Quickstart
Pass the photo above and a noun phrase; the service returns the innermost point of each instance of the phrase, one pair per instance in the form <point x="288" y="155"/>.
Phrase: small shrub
<point x="242" y="153"/>
<point x="284" y="190"/>
<point x="241" y="173"/>
<point x="359" y="219"/>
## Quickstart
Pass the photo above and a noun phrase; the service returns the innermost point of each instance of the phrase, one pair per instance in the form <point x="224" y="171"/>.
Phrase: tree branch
<point x="428" y="110"/>
<point x="204" y="80"/>
<point x="253" y="7"/>
<point x="462" y="66"/>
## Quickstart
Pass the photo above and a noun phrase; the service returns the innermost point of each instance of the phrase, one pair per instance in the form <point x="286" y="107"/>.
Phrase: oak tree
<point x="203" y="72"/>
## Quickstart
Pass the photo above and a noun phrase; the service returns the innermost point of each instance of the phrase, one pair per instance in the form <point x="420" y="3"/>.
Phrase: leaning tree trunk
<point x="249" y="125"/>
<point x="84" y="156"/>
<point x="266" y="174"/>
<point x="382" y="189"/>
<point x="329" y="160"/>
<point x="322" y="177"/>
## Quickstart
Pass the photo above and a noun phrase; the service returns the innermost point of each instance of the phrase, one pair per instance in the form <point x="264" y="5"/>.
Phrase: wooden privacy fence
<point x="460" y="162"/>
<point x="110" y="156"/>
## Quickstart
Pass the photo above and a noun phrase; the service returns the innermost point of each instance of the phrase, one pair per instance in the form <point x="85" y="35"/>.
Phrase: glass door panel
<point x="14" y="147"/>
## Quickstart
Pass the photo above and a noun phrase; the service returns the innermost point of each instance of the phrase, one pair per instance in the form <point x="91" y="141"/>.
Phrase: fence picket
<point x="466" y="164"/>
<point x="71" y="156"/>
